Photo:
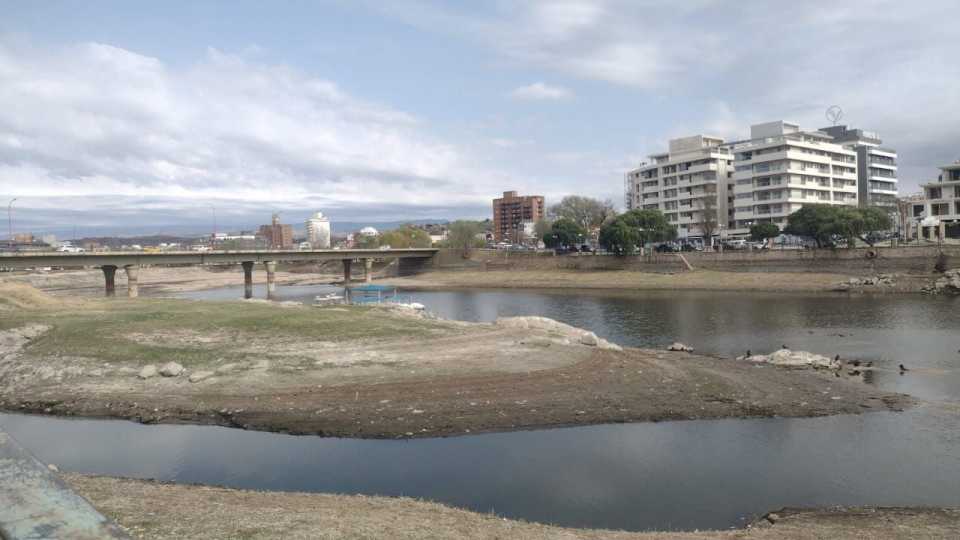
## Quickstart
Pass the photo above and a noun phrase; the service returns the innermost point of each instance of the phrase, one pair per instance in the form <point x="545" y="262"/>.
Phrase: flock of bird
<point x="854" y="363"/>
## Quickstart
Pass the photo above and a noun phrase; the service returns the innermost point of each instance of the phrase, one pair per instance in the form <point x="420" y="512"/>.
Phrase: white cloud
<point x="540" y="92"/>
<point x="95" y="122"/>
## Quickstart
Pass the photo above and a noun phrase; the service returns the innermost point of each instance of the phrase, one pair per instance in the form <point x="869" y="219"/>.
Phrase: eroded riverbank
<point x="377" y="373"/>
<point x="155" y="510"/>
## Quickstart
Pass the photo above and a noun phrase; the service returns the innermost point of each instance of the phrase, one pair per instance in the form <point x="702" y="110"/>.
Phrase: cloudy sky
<point x="135" y="116"/>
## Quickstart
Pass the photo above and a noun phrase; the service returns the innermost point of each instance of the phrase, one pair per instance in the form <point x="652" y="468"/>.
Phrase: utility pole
<point x="213" y="239"/>
<point x="10" y="220"/>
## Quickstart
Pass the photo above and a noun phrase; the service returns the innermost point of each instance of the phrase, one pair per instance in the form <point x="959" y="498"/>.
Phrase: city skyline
<point x="384" y="113"/>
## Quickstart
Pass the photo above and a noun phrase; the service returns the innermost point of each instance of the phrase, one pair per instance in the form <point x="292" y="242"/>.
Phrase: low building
<point x="276" y="235"/>
<point x="318" y="231"/>
<point x="512" y="213"/>
<point x="940" y="206"/>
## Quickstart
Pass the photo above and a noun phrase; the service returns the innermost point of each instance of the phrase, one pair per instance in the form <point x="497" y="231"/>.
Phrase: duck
<point x="749" y="354"/>
<point x="856" y="363"/>
<point x="784" y="346"/>
<point x="903" y="368"/>
<point x="869" y="364"/>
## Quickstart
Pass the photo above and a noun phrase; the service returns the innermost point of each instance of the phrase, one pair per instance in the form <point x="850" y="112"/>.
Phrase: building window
<point x="939" y="209"/>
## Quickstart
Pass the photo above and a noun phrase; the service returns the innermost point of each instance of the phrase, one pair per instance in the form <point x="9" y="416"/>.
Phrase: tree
<point x="462" y="234"/>
<point x="827" y="224"/>
<point x="651" y="225"/>
<point x="709" y="220"/>
<point x="588" y="213"/>
<point x="406" y="236"/>
<point x="542" y="227"/>
<point x="364" y="241"/>
<point x="761" y="232"/>
<point x="564" y="233"/>
<point x="874" y="220"/>
<point x="624" y="233"/>
<point x="619" y="238"/>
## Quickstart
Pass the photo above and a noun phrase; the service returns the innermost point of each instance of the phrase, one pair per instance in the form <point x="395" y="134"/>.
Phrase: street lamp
<point x="10" y="219"/>
<point x="213" y="239"/>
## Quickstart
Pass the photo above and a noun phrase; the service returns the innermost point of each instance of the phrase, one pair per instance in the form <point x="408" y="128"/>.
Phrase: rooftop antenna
<point x="834" y="114"/>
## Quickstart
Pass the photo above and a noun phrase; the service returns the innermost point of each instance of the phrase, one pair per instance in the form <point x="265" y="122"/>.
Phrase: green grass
<point x="100" y="329"/>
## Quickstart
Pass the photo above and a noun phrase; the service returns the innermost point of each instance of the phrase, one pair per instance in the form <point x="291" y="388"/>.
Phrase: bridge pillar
<point x="367" y="270"/>
<point x="109" y="272"/>
<point x="271" y="267"/>
<point x="247" y="279"/>
<point x="133" y="272"/>
<point x="346" y="271"/>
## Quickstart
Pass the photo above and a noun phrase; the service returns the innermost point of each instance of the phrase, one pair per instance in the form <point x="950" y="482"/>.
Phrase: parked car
<point x="738" y="243"/>
<point x="665" y="247"/>
<point x="585" y="248"/>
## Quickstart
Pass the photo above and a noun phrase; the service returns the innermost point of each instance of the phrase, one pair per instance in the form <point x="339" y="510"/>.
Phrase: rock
<point x="590" y="339"/>
<point x="788" y="358"/>
<point x="226" y="368"/>
<point x="53" y="467"/>
<point x="679" y="347"/>
<point x="171" y="369"/>
<point x="148" y="371"/>
<point x="46" y="372"/>
<point x="853" y="281"/>
<point x="198" y="376"/>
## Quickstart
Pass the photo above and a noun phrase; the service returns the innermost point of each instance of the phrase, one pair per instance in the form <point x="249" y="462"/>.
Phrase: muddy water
<point x="673" y="475"/>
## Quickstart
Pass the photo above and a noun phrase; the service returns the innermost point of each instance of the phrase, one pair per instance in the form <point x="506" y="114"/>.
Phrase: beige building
<point x="691" y="184"/>
<point x="781" y="168"/>
<point x="940" y="205"/>
<point x="514" y="215"/>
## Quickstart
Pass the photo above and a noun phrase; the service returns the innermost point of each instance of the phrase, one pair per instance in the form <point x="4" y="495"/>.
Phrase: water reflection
<point x="674" y="475"/>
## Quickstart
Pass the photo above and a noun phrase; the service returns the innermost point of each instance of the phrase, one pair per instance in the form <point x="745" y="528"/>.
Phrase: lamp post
<point x="10" y="221"/>
<point x="213" y="238"/>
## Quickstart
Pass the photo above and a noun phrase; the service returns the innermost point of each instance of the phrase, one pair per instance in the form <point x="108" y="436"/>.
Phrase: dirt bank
<point x="371" y="372"/>
<point x="633" y="280"/>
<point x="161" y="280"/>
<point x="152" y="510"/>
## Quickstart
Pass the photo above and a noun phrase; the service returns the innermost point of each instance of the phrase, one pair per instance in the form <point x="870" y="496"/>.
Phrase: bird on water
<point x="902" y="368"/>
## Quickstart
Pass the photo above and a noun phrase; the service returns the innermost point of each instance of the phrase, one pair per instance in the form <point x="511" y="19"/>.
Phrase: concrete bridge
<point x="110" y="261"/>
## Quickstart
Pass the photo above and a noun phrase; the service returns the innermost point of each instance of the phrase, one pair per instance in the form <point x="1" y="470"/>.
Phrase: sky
<point x="142" y="117"/>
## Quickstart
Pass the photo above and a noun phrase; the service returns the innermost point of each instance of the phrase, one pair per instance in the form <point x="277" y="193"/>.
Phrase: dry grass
<point x="151" y="510"/>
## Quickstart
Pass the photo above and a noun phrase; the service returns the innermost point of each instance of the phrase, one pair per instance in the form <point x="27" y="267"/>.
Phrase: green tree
<point x="619" y="238"/>
<point x="367" y="242"/>
<point x="462" y="234"/>
<point x="563" y="233"/>
<point x="814" y="221"/>
<point x="586" y="212"/>
<point x="761" y="232"/>
<point x="651" y="225"/>
<point x="406" y="236"/>
<point x="875" y="220"/>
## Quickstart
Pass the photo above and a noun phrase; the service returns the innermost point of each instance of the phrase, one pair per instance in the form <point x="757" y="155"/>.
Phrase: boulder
<point x="198" y="376"/>
<point x="676" y="346"/>
<point x="171" y="369"/>
<point x="590" y="339"/>
<point x="801" y="359"/>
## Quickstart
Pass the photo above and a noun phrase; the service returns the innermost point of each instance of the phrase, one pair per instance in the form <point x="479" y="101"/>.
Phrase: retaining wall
<point x="860" y="261"/>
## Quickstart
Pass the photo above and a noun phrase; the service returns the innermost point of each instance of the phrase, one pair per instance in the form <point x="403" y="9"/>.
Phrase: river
<point x="671" y="475"/>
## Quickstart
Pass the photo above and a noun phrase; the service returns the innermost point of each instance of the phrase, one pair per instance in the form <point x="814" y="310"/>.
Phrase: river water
<point x="671" y="475"/>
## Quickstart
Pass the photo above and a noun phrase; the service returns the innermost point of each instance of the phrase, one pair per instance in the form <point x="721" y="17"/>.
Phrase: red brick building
<point x="277" y="235"/>
<point x="512" y="213"/>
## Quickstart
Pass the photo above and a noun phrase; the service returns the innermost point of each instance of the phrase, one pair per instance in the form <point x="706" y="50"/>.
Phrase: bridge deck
<point x="124" y="258"/>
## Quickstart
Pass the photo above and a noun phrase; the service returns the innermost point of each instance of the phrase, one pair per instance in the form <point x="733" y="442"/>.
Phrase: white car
<point x="70" y="249"/>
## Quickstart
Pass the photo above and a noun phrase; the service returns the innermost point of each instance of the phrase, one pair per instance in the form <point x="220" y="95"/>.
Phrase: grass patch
<point x="101" y="329"/>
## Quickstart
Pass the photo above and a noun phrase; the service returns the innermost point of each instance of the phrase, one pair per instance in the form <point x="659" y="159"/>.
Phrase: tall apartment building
<point x="691" y="181"/>
<point x="781" y="168"/>
<point x="941" y="199"/>
<point x="876" y="166"/>
<point x="318" y="231"/>
<point x="276" y="235"/>
<point x="513" y="214"/>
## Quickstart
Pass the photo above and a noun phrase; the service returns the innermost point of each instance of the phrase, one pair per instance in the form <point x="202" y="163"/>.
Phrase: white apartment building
<point x="876" y="166"/>
<point x="781" y="168"/>
<point x="941" y="199"/>
<point x="318" y="231"/>
<point x="693" y="176"/>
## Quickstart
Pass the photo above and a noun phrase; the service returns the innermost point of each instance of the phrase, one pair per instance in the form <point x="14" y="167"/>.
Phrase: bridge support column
<point x="133" y="281"/>
<point x="247" y="279"/>
<point x="271" y="267"/>
<point x="346" y="271"/>
<point x="367" y="270"/>
<point x="109" y="272"/>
